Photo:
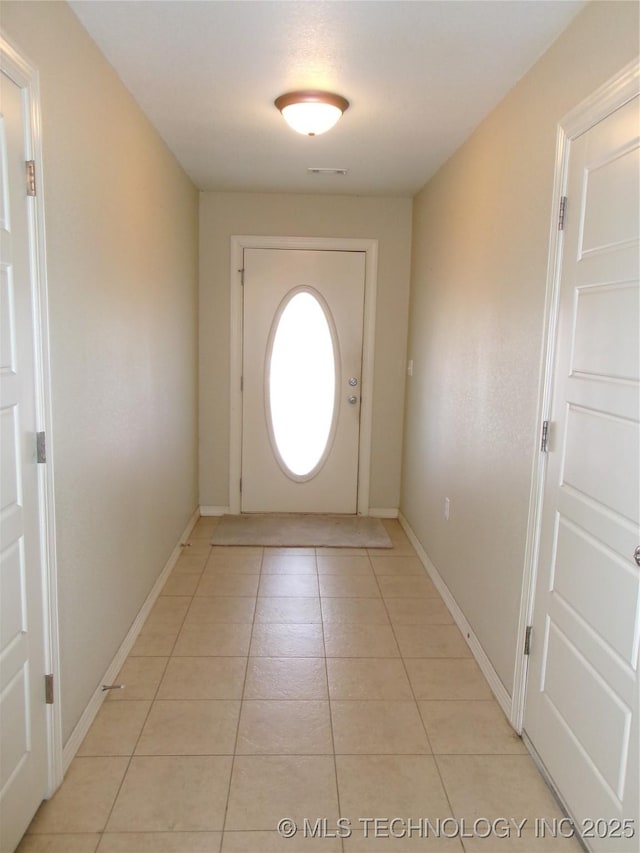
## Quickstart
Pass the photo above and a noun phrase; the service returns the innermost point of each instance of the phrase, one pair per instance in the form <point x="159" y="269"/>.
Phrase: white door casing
<point x="334" y="281"/>
<point x="581" y="711"/>
<point x="365" y="402"/>
<point x="30" y="734"/>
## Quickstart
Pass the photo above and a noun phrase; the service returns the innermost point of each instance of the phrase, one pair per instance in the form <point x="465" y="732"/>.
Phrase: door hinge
<point x="240" y="485"/>
<point x="41" y="448"/>
<point x="527" y="640"/>
<point x="31" y="176"/>
<point x="241" y="277"/>
<point x="544" y="442"/>
<point x="562" y="212"/>
<point x="48" y="689"/>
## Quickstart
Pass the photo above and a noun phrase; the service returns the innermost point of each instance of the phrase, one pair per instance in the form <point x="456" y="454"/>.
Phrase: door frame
<point x="25" y="75"/>
<point x="238" y="245"/>
<point x="612" y="95"/>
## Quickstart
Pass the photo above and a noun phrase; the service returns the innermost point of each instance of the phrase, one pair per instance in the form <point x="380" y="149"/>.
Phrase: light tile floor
<point x="301" y="684"/>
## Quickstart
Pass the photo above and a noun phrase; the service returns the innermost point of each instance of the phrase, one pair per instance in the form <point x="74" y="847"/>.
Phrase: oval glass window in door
<point x="301" y="383"/>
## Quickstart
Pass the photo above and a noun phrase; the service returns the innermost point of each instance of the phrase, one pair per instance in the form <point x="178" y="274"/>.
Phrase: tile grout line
<point x="131" y="757"/>
<point x="326" y="675"/>
<point x="242" y="692"/>
<point x="433" y="756"/>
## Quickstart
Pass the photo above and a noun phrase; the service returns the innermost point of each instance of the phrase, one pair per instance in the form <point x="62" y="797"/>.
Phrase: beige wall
<point x="480" y="239"/>
<point x="387" y="220"/>
<point x="121" y="220"/>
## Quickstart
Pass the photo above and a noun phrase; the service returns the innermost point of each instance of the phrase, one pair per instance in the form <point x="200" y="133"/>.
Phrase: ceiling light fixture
<point x="311" y="112"/>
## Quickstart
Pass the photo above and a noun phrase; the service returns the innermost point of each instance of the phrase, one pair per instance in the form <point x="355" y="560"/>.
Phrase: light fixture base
<point x="325" y="170"/>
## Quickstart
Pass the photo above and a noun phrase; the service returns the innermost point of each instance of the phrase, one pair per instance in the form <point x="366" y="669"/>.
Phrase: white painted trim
<point x="213" y="511"/>
<point x="370" y="248"/>
<point x="25" y="75"/>
<point x="374" y="512"/>
<point x="538" y="465"/>
<point x="582" y="842"/>
<point x="606" y="99"/>
<point x="72" y="746"/>
<point x="383" y="512"/>
<point x="496" y="685"/>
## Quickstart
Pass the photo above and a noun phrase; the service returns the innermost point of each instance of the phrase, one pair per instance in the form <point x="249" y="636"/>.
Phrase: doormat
<point x="301" y="531"/>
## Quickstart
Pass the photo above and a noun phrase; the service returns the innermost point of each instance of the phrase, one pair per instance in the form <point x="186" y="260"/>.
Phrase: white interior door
<point x="581" y="710"/>
<point x="23" y="723"/>
<point x="302" y="374"/>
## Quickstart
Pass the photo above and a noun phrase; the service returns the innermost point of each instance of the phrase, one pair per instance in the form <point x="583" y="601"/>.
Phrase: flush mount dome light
<point x="311" y="112"/>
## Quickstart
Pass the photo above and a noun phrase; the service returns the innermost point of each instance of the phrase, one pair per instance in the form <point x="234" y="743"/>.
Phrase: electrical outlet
<point x="447" y="508"/>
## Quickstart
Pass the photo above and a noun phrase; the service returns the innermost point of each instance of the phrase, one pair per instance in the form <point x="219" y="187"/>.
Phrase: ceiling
<point x="419" y="77"/>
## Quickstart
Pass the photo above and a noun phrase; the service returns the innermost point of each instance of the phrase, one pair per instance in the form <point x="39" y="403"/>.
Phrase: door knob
<point x="636" y="555"/>
<point x="352" y="399"/>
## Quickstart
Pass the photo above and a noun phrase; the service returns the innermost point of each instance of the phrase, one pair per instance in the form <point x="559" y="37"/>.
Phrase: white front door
<point x="302" y="380"/>
<point x="23" y="721"/>
<point x="581" y="711"/>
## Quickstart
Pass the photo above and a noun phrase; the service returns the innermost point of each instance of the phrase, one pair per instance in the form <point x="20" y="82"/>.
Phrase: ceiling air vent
<point x="320" y="170"/>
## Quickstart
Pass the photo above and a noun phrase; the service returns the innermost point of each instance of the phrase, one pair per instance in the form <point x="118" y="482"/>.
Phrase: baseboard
<point x="374" y="512"/>
<point x="207" y="511"/>
<point x="72" y="745"/>
<point x="389" y="512"/>
<point x="496" y="685"/>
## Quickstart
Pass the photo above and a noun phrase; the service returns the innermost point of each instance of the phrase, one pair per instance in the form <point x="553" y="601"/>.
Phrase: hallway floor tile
<point x="327" y="688"/>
